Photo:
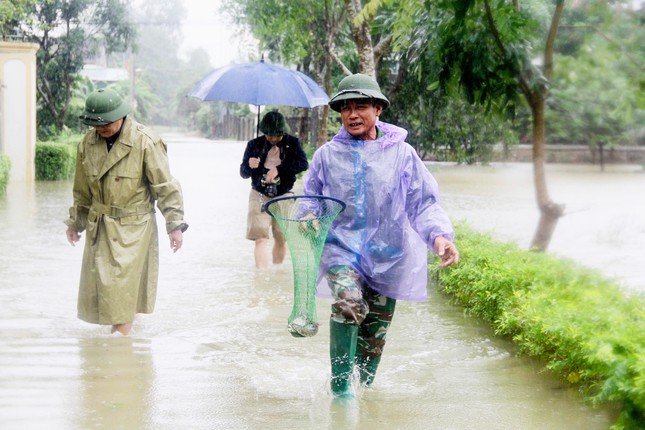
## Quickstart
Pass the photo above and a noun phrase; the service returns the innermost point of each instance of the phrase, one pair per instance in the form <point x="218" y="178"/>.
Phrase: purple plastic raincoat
<point x="392" y="216"/>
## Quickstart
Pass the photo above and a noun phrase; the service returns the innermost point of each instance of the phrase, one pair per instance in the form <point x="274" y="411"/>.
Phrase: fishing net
<point x="305" y="221"/>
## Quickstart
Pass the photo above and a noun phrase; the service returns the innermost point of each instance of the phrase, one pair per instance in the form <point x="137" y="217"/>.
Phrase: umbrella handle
<point x="257" y="132"/>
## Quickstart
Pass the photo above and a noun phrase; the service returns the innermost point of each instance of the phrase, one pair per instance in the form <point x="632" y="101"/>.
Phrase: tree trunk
<point x="324" y="112"/>
<point x="362" y="39"/>
<point x="303" y="125"/>
<point x="550" y="212"/>
<point x="331" y="24"/>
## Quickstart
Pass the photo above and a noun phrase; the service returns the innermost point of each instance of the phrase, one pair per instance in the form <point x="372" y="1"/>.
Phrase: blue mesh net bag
<point x="305" y="222"/>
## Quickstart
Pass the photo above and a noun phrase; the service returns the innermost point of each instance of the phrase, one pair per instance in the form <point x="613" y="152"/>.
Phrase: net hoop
<point x="266" y="208"/>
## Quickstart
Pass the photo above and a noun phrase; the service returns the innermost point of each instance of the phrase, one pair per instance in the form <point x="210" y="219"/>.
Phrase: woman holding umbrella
<point x="272" y="161"/>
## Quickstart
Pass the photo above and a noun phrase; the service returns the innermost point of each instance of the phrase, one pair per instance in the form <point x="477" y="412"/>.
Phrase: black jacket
<point x="293" y="160"/>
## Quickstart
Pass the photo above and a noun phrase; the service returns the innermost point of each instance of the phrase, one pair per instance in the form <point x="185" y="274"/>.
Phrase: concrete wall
<point x="18" y="107"/>
<point x="576" y="154"/>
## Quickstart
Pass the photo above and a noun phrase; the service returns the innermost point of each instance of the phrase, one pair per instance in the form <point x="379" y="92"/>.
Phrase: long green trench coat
<point x="114" y="195"/>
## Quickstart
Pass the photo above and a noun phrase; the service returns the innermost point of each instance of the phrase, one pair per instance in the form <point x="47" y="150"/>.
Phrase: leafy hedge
<point x="586" y="328"/>
<point x="54" y="161"/>
<point x="5" y="169"/>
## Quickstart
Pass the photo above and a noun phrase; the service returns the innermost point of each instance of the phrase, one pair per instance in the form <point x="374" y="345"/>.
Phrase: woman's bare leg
<point x="262" y="253"/>
<point x="279" y="251"/>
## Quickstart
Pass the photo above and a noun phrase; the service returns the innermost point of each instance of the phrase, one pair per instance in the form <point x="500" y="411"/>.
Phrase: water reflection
<point x="116" y="378"/>
<point x="216" y="353"/>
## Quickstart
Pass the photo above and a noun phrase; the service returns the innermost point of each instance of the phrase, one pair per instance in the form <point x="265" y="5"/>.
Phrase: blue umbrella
<point x="260" y="84"/>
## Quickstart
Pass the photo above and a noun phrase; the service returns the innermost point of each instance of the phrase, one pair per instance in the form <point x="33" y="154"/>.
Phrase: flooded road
<point x="216" y="353"/>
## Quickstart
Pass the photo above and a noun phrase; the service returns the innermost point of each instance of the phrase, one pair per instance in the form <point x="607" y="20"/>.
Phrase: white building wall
<point x="18" y="107"/>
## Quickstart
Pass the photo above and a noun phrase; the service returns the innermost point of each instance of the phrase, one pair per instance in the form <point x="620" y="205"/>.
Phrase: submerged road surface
<point x="216" y="353"/>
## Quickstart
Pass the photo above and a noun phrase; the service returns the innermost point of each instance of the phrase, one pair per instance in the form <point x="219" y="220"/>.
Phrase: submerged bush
<point x="5" y="170"/>
<point x="54" y="161"/>
<point x="587" y="329"/>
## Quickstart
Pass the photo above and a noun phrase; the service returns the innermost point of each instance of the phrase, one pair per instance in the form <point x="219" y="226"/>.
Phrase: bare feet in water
<point x="124" y="329"/>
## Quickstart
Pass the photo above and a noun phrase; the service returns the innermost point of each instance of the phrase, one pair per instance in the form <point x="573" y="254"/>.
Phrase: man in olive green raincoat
<point x="121" y="170"/>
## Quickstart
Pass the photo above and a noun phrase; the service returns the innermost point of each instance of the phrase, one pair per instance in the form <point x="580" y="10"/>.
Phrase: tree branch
<point x="340" y="63"/>
<point x="550" y="40"/>
<point x="493" y="29"/>
<point x="383" y="46"/>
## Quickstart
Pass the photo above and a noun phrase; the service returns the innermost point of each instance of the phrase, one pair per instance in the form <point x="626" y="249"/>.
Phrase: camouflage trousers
<point x="355" y="302"/>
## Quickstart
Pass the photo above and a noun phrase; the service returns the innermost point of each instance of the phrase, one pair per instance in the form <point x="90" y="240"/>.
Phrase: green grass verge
<point x="586" y="329"/>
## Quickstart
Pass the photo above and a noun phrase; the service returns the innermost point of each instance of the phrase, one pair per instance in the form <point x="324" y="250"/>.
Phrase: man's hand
<point x="72" y="236"/>
<point x="271" y="175"/>
<point x="309" y="224"/>
<point x="176" y="239"/>
<point x="446" y="250"/>
<point x="254" y="162"/>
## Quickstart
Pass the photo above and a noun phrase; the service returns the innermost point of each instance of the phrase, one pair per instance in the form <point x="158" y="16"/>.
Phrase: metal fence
<point x="232" y="127"/>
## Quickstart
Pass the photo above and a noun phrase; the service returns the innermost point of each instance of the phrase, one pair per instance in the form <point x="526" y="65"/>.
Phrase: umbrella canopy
<point x="260" y="84"/>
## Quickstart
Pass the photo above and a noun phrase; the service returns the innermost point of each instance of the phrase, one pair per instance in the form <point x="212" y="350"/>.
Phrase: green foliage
<point x="11" y="14"/>
<point x="205" y="116"/>
<point x="279" y="25"/>
<point x="187" y="108"/>
<point x="588" y="110"/>
<point x="586" y="329"/>
<point x="5" y="170"/>
<point x="484" y="63"/>
<point x="443" y="125"/>
<point x="493" y="52"/>
<point x="159" y="70"/>
<point x="145" y="99"/>
<point x="596" y="94"/>
<point x="66" y="31"/>
<point x="446" y="128"/>
<point x="309" y="150"/>
<point x="46" y="129"/>
<point x="71" y="139"/>
<point x="55" y="160"/>
<point x="440" y="126"/>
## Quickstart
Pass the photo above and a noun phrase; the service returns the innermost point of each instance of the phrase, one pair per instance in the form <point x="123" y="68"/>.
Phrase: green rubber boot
<point x="342" y="350"/>
<point x="367" y="368"/>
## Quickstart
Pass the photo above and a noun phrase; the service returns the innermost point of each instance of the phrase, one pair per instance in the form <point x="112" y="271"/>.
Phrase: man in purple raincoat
<point x="376" y="251"/>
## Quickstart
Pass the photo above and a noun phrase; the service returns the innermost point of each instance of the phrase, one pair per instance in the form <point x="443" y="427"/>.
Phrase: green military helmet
<point x="103" y="107"/>
<point x="274" y="124"/>
<point x="357" y="86"/>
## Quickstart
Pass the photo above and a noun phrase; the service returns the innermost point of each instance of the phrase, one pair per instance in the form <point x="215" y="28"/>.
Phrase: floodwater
<point x="604" y="222"/>
<point x="216" y="353"/>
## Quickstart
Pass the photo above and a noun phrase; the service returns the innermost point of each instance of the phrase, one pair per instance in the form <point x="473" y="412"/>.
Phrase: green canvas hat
<point x="357" y="86"/>
<point x="103" y="107"/>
